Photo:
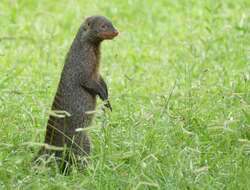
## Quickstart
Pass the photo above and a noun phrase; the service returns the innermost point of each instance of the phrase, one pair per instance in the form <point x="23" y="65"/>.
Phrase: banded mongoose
<point x="79" y="85"/>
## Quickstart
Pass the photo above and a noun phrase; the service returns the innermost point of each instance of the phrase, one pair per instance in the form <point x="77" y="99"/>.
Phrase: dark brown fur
<point x="76" y="94"/>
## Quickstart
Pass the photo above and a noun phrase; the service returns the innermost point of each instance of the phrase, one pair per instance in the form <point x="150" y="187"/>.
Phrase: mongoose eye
<point x="104" y="26"/>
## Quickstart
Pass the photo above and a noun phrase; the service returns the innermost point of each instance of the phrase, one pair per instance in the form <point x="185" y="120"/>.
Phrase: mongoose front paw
<point x="108" y="105"/>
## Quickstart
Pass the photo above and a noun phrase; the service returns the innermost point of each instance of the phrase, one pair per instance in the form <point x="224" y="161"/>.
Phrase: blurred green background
<point x="179" y="82"/>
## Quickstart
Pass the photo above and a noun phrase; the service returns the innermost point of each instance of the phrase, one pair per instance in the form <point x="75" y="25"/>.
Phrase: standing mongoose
<point x="79" y="85"/>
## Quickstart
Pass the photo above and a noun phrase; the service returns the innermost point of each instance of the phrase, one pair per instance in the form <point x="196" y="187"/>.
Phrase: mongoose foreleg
<point x="97" y="88"/>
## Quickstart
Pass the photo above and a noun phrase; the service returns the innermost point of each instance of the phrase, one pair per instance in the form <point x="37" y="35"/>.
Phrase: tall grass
<point x="179" y="81"/>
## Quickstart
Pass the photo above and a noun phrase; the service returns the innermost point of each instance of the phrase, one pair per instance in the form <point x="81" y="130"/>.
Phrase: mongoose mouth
<point x="109" y="35"/>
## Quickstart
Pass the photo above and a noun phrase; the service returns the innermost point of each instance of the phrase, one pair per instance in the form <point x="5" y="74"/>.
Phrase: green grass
<point x="179" y="82"/>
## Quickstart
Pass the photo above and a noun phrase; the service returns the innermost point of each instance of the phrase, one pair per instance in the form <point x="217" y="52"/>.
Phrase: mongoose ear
<point x="87" y="21"/>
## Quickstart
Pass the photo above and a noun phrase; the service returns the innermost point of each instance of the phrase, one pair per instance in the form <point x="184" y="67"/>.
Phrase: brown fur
<point x="79" y="84"/>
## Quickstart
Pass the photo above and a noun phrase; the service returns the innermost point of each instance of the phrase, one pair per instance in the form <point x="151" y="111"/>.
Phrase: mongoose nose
<point x="115" y="33"/>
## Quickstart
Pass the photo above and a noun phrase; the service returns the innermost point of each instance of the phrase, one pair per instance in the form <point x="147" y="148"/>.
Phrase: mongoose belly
<point x="61" y="131"/>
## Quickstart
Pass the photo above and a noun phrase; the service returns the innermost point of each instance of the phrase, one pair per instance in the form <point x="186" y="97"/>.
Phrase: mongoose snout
<point x="109" y="35"/>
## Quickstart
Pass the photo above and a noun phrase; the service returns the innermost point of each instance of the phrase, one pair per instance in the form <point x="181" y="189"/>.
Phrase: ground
<point x="179" y="82"/>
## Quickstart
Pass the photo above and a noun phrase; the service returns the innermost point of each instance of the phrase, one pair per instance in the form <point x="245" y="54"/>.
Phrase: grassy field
<point x="179" y="82"/>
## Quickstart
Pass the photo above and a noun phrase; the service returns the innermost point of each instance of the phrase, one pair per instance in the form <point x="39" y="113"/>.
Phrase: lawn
<point x="179" y="83"/>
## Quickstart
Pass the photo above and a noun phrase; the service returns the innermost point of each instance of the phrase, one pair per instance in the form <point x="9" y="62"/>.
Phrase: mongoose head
<point x="99" y="28"/>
